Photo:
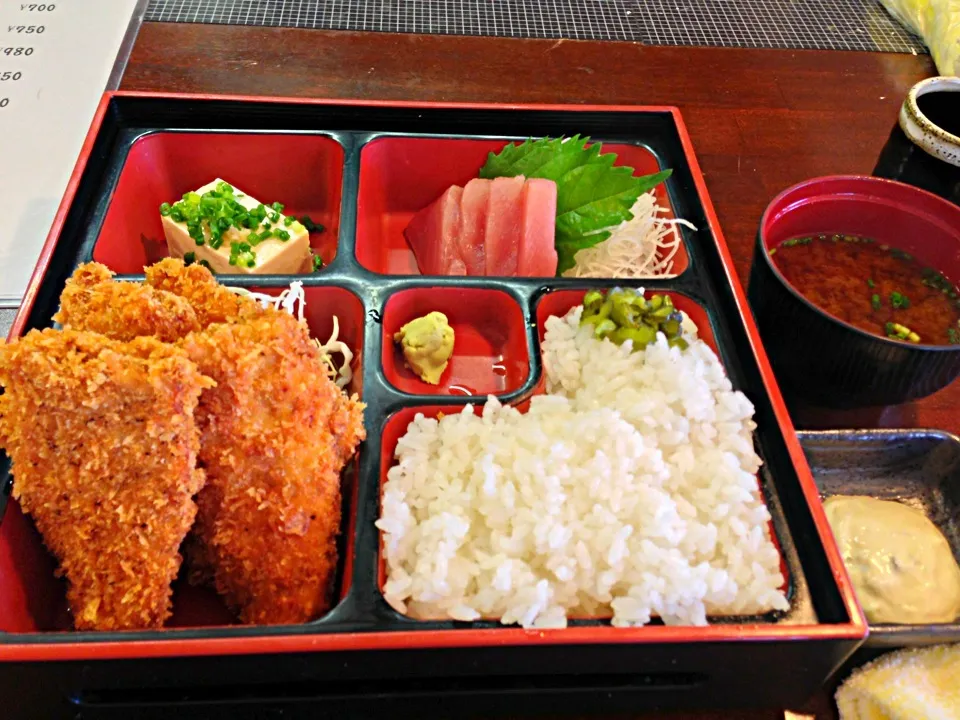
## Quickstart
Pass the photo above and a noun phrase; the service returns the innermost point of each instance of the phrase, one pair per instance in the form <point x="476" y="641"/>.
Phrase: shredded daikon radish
<point x="293" y="300"/>
<point x="643" y="247"/>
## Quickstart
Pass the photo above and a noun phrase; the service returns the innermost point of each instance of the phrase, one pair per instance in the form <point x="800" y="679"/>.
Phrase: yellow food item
<point x="905" y="685"/>
<point x="427" y="344"/>
<point x="901" y="565"/>
<point x="938" y="23"/>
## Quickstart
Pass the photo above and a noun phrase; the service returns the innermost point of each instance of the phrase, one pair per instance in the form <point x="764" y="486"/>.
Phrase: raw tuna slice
<point x="432" y="233"/>
<point x="473" y="211"/>
<point x="504" y="217"/>
<point x="538" y="251"/>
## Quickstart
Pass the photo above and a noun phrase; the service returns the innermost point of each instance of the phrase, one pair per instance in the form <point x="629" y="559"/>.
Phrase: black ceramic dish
<point x="924" y="146"/>
<point x="362" y="652"/>
<point x="822" y="360"/>
<point x="918" y="467"/>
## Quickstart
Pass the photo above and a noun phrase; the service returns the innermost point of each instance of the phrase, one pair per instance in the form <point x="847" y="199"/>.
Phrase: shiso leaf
<point x="593" y="196"/>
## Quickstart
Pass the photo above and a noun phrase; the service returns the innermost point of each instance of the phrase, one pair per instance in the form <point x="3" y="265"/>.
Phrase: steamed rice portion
<point x="628" y="490"/>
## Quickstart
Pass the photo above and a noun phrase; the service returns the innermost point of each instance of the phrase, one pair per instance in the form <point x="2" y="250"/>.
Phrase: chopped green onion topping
<point x="871" y="284"/>
<point x="310" y="225"/>
<point x="242" y="255"/>
<point x="210" y="215"/>
<point x="189" y="258"/>
<point x="288" y="221"/>
<point x="282" y="234"/>
<point x="317" y="262"/>
<point x="875" y="301"/>
<point x="899" y="301"/>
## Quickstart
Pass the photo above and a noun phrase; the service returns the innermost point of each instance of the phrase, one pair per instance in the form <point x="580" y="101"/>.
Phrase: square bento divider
<point x="302" y="172"/>
<point x="34" y="599"/>
<point x="400" y="176"/>
<point x="490" y="354"/>
<point x="363" y="170"/>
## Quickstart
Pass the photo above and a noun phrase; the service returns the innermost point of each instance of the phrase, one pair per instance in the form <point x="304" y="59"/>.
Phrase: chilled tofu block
<point x="271" y="255"/>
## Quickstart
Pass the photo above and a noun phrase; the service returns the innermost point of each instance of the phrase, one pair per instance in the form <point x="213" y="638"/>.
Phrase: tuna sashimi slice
<point x="538" y="251"/>
<point x="502" y="241"/>
<point x="433" y="232"/>
<point x="473" y="211"/>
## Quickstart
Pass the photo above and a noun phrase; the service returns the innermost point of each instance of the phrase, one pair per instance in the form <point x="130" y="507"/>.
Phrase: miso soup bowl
<point x="819" y="359"/>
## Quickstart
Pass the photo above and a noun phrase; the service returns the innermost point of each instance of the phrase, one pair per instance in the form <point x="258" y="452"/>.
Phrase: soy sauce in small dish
<point x="872" y="286"/>
<point x="942" y="109"/>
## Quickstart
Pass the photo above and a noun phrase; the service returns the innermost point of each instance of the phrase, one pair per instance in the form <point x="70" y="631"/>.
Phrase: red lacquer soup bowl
<point x="819" y="358"/>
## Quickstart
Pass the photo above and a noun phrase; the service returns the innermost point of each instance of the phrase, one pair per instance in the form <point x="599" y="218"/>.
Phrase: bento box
<point x="362" y="170"/>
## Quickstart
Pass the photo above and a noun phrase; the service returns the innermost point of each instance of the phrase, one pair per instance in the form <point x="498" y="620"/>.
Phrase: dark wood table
<point x="760" y="120"/>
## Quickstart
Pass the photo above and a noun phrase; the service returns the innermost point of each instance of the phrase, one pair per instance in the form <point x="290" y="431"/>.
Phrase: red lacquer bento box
<point x="363" y="170"/>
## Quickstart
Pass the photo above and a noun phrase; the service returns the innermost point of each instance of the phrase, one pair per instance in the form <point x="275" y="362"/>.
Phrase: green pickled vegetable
<point x="641" y="336"/>
<point x="624" y="314"/>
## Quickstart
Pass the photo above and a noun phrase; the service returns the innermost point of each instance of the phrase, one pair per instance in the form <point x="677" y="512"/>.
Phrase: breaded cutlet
<point x="104" y="444"/>
<point x="275" y="434"/>
<point x="211" y="301"/>
<point x="93" y="301"/>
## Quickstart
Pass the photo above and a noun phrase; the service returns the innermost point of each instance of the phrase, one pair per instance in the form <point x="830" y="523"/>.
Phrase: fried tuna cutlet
<point x="104" y="443"/>
<point x="93" y="301"/>
<point x="275" y="434"/>
<point x="211" y="301"/>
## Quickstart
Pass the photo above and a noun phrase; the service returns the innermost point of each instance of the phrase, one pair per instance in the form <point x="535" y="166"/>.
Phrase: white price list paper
<point x="56" y="60"/>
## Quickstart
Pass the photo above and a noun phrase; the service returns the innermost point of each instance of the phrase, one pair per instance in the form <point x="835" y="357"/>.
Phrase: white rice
<point x="628" y="490"/>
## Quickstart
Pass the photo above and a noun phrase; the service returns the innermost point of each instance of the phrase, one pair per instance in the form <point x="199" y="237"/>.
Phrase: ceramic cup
<point x="925" y="152"/>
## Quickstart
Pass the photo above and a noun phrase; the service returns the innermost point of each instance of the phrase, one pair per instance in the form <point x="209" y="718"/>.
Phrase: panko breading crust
<point x="275" y="437"/>
<point x="275" y="434"/>
<point x="92" y="301"/>
<point x="104" y="444"/>
<point x="211" y="301"/>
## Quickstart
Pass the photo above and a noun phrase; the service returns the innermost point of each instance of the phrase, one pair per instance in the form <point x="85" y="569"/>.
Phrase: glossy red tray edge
<point x="273" y="640"/>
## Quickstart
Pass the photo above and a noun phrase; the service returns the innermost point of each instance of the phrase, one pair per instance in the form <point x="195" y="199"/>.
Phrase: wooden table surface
<point x="760" y="120"/>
